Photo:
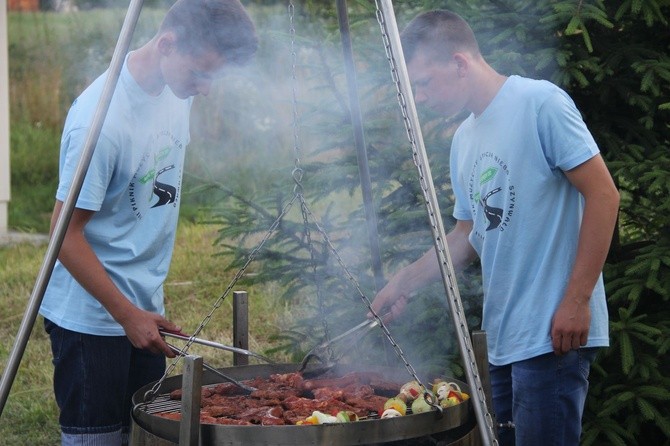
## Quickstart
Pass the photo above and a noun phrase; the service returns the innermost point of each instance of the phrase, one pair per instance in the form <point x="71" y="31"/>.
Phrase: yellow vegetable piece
<point x="397" y="404"/>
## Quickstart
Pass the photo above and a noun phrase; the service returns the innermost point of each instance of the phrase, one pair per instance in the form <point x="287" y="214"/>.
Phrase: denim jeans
<point x="544" y="398"/>
<point x="95" y="378"/>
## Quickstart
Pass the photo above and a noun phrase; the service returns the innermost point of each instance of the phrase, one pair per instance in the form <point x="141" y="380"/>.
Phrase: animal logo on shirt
<point x="157" y="180"/>
<point x="493" y="214"/>
<point x="166" y="193"/>
<point x="492" y="195"/>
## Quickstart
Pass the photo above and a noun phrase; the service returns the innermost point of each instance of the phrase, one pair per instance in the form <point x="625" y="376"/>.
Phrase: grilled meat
<point x="288" y="398"/>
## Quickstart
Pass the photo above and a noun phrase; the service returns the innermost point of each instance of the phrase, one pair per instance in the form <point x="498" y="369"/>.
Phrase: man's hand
<point x="142" y="327"/>
<point x="389" y="300"/>
<point x="571" y="324"/>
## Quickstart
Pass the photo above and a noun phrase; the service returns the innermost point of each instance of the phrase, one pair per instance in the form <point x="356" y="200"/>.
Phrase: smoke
<point x="288" y="110"/>
<point x="245" y="137"/>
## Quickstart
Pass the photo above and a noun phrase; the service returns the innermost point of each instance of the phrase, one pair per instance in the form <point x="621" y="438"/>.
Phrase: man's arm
<point x="572" y="320"/>
<point x="393" y="297"/>
<point x="78" y="257"/>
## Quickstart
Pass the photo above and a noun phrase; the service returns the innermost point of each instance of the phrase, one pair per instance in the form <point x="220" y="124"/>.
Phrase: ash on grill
<point x="284" y="399"/>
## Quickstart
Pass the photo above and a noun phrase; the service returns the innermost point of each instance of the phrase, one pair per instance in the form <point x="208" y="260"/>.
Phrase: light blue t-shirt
<point x="134" y="184"/>
<point x="507" y="170"/>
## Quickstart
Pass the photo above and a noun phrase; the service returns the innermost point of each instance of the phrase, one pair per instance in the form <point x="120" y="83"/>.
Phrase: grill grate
<point x="162" y="403"/>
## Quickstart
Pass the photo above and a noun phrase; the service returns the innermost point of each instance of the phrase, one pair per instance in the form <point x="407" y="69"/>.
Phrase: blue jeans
<point x="544" y="398"/>
<point x="95" y="378"/>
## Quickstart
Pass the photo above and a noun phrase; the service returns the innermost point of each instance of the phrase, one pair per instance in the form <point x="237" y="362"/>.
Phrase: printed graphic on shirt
<point x="157" y="180"/>
<point x="492" y="195"/>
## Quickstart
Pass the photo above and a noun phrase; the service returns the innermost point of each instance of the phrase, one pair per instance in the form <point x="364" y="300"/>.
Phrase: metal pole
<point x="60" y="227"/>
<point x="5" y="183"/>
<point x="359" y="141"/>
<point x="480" y="347"/>
<point x="240" y="326"/>
<point x="191" y="384"/>
<point x="406" y="98"/>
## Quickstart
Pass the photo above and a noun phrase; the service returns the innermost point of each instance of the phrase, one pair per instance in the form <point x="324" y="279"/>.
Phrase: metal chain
<point x="456" y="304"/>
<point x="297" y="170"/>
<point x="298" y="175"/>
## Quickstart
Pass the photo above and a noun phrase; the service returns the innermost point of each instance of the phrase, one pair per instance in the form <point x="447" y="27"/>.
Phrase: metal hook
<point x="297" y="174"/>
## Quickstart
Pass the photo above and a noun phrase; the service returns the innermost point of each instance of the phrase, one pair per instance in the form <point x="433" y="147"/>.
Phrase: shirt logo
<point x="492" y="195"/>
<point x="157" y="180"/>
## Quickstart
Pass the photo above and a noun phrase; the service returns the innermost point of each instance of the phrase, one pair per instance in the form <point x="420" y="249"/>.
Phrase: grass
<point x="30" y="402"/>
<point x="196" y="280"/>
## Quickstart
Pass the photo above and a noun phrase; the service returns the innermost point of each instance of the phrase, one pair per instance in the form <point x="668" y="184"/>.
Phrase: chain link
<point x="453" y="293"/>
<point x="297" y="171"/>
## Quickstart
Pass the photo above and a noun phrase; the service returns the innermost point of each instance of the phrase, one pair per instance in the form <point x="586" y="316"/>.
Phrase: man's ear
<point x="462" y="64"/>
<point x="166" y="43"/>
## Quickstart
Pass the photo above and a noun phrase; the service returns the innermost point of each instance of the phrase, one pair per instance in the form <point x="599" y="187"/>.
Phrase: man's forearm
<point x="601" y="205"/>
<point x="595" y="237"/>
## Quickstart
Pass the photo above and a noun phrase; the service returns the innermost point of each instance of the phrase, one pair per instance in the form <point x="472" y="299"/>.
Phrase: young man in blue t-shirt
<point x="103" y="307"/>
<point x="537" y="205"/>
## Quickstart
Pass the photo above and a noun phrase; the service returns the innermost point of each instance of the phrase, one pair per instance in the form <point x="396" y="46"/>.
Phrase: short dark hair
<point x="220" y="25"/>
<point x="441" y="32"/>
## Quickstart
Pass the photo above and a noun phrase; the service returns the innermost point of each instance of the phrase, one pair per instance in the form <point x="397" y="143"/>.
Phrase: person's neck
<point x="488" y="85"/>
<point x="144" y="66"/>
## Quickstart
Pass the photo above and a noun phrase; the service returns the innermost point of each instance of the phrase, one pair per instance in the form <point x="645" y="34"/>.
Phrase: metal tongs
<point x="323" y="349"/>
<point x="247" y="389"/>
<point x="185" y="337"/>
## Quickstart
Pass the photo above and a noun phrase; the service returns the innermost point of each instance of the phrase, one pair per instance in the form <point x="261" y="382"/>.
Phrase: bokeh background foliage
<point x="612" y="57"/>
